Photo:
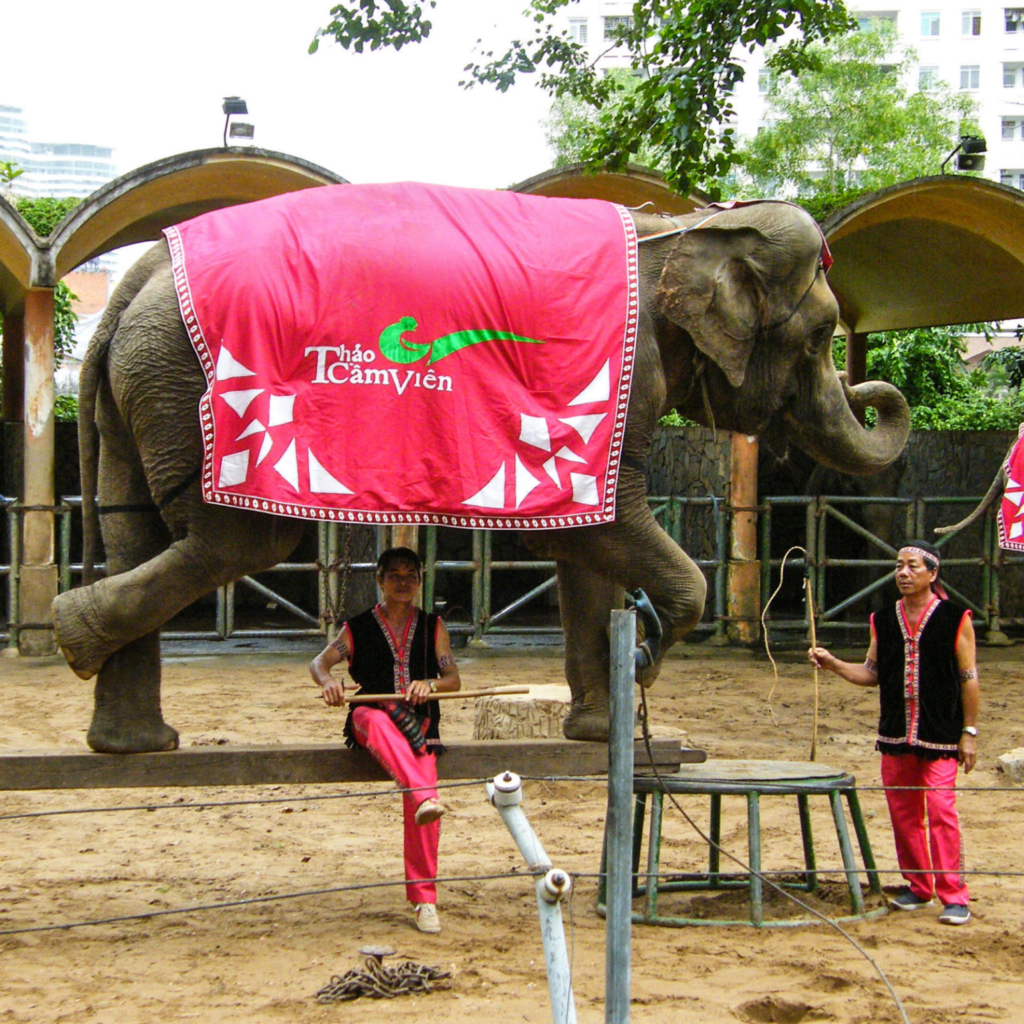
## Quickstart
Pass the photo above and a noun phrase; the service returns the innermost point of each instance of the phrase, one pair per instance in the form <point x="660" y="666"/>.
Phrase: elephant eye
<point x="821" y="337"/>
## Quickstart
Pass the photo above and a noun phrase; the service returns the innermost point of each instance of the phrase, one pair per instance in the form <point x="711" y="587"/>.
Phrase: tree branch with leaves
<point x="687" y="59"/>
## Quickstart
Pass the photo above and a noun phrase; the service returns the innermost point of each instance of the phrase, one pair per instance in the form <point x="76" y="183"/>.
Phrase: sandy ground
<point x="265" y="962"/>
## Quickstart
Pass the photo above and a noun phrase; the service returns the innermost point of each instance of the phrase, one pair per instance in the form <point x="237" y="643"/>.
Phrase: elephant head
<point x="747" y="286"/>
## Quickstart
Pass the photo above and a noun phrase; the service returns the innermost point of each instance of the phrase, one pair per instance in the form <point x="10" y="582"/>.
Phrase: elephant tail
<point x="93" y="368"/>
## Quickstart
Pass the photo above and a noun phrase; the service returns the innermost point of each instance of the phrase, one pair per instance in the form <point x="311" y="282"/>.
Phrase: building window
<point x="1014" y="17"/>
<point x="614" y="24"/>
<point x="930" y="23"/>
<point x="764" y="80"/>
<point x="1014" y="178"/>
<point x="927" y="78"/>
<point x="1012" y="128"/>
<point x="578" y="30"/>
<point x="970" y="23"/>
<point x="1011" y="75"/>
<point x="970" y="76"/>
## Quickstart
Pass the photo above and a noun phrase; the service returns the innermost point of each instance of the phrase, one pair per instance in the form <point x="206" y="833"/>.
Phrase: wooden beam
<point x="313" y="764"/>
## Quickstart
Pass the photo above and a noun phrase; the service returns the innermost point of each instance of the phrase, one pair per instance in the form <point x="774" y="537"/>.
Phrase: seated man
<point x="397" y="648"/>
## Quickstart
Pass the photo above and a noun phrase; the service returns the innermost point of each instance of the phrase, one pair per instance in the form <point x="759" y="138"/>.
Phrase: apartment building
<point x="974" y="47"/>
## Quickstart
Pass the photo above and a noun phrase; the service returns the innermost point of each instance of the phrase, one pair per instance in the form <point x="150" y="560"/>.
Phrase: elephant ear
<point x="709" y="286"/>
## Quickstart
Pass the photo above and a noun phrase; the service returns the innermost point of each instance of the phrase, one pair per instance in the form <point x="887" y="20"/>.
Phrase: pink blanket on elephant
<point x="410" y="353"/>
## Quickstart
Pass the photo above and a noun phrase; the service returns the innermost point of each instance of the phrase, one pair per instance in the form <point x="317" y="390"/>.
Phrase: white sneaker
<point x="426" y="918"/>
<point x="428" y="811"/>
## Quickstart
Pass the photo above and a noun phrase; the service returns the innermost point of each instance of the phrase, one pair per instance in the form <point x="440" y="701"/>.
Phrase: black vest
<point x="924" y="664"/>
<point x="376" y="667"/>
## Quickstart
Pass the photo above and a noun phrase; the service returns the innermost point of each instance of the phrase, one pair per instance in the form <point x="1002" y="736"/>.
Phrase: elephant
<point x="736" y="324"/>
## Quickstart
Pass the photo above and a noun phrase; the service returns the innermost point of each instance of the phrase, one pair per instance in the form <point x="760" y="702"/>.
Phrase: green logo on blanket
<point x="400" y="350"/>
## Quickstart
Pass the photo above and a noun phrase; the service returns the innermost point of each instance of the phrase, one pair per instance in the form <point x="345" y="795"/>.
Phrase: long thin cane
<point x="814" y="643"/>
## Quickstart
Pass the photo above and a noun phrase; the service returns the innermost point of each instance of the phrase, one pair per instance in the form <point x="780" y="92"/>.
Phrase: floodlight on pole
<point x="235" y="105"/>
<point x="971" y="150"/>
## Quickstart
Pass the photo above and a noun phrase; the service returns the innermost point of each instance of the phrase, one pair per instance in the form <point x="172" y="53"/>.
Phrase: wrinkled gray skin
<point x="736" y="328"/>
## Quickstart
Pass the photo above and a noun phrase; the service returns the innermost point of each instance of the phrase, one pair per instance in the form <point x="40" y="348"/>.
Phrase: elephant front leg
<point x="586" y="600"/>
<point x="126" y="714"/>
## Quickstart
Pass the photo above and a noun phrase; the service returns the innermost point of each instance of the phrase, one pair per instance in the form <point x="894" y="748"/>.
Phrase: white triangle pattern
<point x="254" y="428"/>
<point x="584" y="489"/>
<point x="551" y="469"/>
<point x="241" y="400"/>
<point x="569" y="455"/>
<point x="233" y="469"/>
<point x="535" y="432"/>
<point x="584" y="425"/>
<point x="525" y="482"/>
<point x="268" y="443"/>
<point x="598" y="390"/>
<point x="320" y="481"/>
<point x="228" y="366"/>
<point x="282" y="410"/>
<point x="288" y="465"/>
<point x="492" y="494"/>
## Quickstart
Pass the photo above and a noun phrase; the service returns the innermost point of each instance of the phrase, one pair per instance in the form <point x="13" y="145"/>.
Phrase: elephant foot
<point x="107" y="737"/>
<point x="589" y="724"/>
<point x="127" y="718"/>
<point x="83" y="650"/>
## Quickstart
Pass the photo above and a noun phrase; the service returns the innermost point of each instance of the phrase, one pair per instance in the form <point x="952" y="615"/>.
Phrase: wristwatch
<point x="433" y="689"/>
<point x="970" y="730"/>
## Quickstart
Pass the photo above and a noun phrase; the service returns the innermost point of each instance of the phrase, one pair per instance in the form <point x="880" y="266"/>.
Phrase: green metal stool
<point x="751" y="779"/>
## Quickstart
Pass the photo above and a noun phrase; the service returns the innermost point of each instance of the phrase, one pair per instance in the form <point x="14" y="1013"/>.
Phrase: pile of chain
<point x="381" y="982"/>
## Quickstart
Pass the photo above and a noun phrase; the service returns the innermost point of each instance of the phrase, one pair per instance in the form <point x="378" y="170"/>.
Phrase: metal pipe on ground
<point x="505" y="792"/>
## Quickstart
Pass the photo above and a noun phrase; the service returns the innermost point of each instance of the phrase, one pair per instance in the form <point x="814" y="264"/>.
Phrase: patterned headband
<point x="927" y="555"/>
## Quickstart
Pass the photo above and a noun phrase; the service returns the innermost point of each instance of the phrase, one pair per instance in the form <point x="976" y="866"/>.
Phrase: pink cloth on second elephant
<point x="493" y="333"/>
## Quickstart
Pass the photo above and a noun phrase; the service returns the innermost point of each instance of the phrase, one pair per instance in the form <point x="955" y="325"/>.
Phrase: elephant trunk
<point x="839" y="440"/>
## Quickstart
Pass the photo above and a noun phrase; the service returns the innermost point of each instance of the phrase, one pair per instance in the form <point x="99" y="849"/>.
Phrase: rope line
<point x="262" y="899"/>
<point x="765" y="788"/>
<point x="243" y="803"/>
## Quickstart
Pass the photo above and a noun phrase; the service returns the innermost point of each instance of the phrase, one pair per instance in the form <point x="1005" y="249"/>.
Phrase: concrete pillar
<point x="38" y="574"/>
<point x="13" y="402"/>
<point x="744" y="597"/>
<point x="856" y="358"/>
<point x="406" y="535"/>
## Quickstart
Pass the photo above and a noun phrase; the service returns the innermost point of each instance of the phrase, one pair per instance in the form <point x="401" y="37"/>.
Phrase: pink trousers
<point x="390" y="749"/>
<point x="930" y="856"/>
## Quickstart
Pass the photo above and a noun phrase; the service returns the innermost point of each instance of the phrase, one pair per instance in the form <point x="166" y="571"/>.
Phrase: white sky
<point x="148" y="79"/>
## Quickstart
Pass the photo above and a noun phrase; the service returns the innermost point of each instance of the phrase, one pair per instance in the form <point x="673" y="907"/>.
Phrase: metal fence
<point x="847" y="555"/>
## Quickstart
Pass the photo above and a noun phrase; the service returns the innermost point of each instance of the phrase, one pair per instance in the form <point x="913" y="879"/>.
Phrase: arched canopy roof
<point x="932" y="251"/>
<point x="137" y="206"/>
<point x="17" y="245"/>
<point x="632" y="187"/>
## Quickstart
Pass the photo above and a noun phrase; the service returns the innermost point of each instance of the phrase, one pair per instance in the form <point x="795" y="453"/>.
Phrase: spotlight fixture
<point x="236" y="129"/>
<point x="970" y="154"/>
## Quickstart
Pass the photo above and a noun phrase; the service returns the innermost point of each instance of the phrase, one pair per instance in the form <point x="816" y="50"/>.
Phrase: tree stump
<point x="529" y="716"/>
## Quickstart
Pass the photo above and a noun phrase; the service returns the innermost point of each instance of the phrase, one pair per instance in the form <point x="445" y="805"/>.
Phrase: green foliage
<point x="685" y="57"/>
<point x="848" y="121"/>
<point x="673" y="419"/>
<point x="356" y="24"/>
<point x="45" y="213"/>
<point x="943" y="392"/>
<point x="1006" y="365"/>
<point x="573" y="123"/>
<point x="65" y="409"/>
<point x="64" y="320"/>
<point x="9" y="171"/>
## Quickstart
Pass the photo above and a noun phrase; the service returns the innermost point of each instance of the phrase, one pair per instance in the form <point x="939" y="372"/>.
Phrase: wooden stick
<point x="814" y="643"/>
<point x="374" y="698"/>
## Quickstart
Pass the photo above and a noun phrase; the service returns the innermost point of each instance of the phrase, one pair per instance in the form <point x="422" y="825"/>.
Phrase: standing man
<point x="922" y="659"/>
<point x="396" y="648"/>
